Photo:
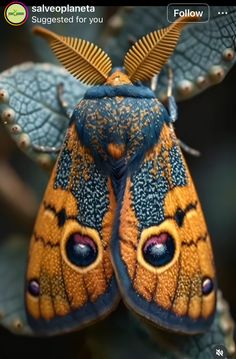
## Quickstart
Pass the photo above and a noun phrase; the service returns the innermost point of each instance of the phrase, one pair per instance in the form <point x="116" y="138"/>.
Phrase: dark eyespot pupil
<point x="61" y="217"/>
<point x="34" y="288"/>
<point x="81" y="250"/>
<point x="207" y="286"/>
<point x="179" y="217"/>
<point x="159" y="250"/>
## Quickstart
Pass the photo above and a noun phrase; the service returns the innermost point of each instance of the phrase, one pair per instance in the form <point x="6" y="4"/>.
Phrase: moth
<point x="120" y="216"/>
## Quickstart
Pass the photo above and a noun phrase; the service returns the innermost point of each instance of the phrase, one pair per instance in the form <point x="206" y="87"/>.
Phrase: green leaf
<point x="203" y="57"/>
<point x="13" y="259"/>
<point x="31" y="109"/>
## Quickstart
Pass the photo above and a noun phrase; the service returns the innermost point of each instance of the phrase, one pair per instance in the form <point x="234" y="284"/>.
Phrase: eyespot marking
<point x="159" y="250"/>
<point x="81" y="250"/>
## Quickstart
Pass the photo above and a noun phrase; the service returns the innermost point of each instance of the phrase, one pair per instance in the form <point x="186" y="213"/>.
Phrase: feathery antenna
<point x="84" y="60"/>
<point x="148" y="55"/>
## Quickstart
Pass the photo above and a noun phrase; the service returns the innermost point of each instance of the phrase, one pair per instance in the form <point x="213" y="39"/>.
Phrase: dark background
<point x="206" y="122"/>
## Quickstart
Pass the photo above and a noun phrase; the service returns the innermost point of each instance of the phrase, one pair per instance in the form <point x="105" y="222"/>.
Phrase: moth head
<point x="92" y="65"/>
<point x="118" y="78"/>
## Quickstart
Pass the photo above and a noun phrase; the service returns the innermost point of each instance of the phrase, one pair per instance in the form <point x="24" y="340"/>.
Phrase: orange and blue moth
<point x="120" y="215"/>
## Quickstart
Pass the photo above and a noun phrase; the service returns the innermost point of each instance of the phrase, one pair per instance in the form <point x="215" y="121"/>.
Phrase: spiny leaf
<point x="148" y="55"/>
<point x="193" y="72"/>
<point x="81" y="58"/>
<point x="30" y="96"/>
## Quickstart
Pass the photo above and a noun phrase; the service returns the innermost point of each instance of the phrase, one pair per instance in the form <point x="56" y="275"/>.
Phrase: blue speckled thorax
<point x="128" y="116"/>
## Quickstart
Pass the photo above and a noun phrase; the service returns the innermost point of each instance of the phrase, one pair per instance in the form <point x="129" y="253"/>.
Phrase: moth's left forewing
<point x="162" y="254"/>
<point x="70" y="280"/>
